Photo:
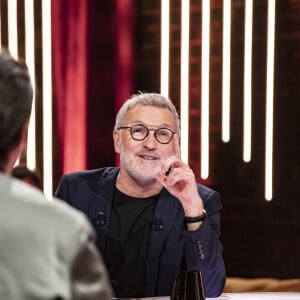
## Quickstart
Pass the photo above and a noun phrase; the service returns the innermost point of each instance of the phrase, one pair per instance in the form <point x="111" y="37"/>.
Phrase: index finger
<point x="177" y="146"/>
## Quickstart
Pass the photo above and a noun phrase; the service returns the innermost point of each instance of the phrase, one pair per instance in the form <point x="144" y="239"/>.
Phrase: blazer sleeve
<point x="203" y="248"/>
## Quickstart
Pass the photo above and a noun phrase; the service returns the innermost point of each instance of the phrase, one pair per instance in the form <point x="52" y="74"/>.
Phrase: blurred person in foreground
<point x="46" y="247"/>
<point x="151" y="216"/>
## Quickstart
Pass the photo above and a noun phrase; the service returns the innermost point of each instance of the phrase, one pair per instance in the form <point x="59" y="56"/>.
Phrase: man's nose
<point x="150" y="141"/>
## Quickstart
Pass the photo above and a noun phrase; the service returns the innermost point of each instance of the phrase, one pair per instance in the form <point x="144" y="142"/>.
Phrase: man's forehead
<point x="150" y="115"/>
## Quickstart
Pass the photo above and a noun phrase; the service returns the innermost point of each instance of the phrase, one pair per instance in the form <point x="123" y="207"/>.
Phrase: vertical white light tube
<point x="247" y="81"/>
<point x="12" y="28"/>
<point x="269" y="101"/>
<point x="184" y="79"/>
<point x="205" y="89"/>
<point x="165" y="40"/>
<point x="30" y="61"/>
<point x="47" y="97"/>
<point x="226" y="71"/>
<point x="0" y="29"/>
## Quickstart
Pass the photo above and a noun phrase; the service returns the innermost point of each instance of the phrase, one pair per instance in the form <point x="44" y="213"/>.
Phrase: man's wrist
<point x="200" y="218"/>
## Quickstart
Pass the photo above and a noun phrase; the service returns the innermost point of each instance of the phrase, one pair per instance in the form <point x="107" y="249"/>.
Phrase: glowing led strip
<point x="205" y="89"/>
<point x="0" y="29"/>
<point x="12" y="28"/>
<point x="30" y="61"/>
<point x="247" y="81"/>
<point x="269" y="101"/>
<point x="47" y="97"/>
<point x="226" y="71"/>
<point x="164" y="61"/>
<point x="184" y="80"/>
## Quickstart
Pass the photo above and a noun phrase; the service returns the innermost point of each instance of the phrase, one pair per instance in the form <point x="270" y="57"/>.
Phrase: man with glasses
<point x="151" y="216"/>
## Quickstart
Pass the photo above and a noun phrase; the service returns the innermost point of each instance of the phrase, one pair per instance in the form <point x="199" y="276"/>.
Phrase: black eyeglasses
<point x="140" y="132"/>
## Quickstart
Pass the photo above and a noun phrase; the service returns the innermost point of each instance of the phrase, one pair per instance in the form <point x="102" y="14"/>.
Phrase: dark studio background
<point x="261" y="239"/>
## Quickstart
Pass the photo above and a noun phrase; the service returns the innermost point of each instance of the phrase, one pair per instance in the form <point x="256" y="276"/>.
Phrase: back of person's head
<point x="31" y="177"/>
<point x="147" y="99"/>
<point x="15" y="103"/>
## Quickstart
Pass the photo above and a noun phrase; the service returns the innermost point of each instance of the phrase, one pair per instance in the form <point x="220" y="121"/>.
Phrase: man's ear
<point x="23" y="140"/>
<point x="16" y="152"/>
<point x="116" y="137"/>
<point x="24" y="134"/>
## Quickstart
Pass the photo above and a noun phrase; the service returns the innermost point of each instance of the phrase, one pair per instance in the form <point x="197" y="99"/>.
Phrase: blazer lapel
<point x="100" y="203"/>
<point x="166" y="209"/>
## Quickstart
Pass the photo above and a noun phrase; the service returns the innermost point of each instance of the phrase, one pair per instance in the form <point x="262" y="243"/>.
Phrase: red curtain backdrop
<point x="125" y="42"/>
<point x="125" y="53"/>
<point x="93" y="76"/>
<point x="69" y="27"/>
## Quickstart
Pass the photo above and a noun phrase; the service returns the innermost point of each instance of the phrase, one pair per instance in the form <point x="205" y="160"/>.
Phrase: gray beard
<point x="140" y="173"/>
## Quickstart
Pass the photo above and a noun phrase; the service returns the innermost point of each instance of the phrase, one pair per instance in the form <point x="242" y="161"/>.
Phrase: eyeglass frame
<point x="147" y="132"/>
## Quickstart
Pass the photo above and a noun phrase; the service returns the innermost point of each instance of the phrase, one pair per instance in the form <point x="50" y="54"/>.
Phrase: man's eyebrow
<point x="137" y="122"/>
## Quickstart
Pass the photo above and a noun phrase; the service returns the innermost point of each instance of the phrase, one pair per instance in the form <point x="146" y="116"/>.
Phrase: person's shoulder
<point x="72" y="222"/>
<point x="95" y="173"/>
<point x="210" y="197"/>
<point x="205" y="190"/>
<point x="46" y="217"/>
<point x="68" y="214"/>
<point x="91" y="178"/>
<point x="25" y="197"/>
<point x="15" y="189"/>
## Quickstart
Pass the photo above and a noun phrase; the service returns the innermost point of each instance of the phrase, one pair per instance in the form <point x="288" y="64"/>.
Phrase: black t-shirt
<point x="126" y="245"/>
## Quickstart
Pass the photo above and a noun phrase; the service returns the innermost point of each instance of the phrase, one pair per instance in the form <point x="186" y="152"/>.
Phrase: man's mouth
<point x="148" y="157"/>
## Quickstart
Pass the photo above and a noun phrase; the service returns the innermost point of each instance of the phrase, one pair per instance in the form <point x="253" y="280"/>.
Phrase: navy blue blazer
<point x="169" y="248"/>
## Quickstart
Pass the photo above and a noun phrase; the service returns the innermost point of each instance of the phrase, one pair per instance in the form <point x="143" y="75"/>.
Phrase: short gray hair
<point x="147" y="99"/>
